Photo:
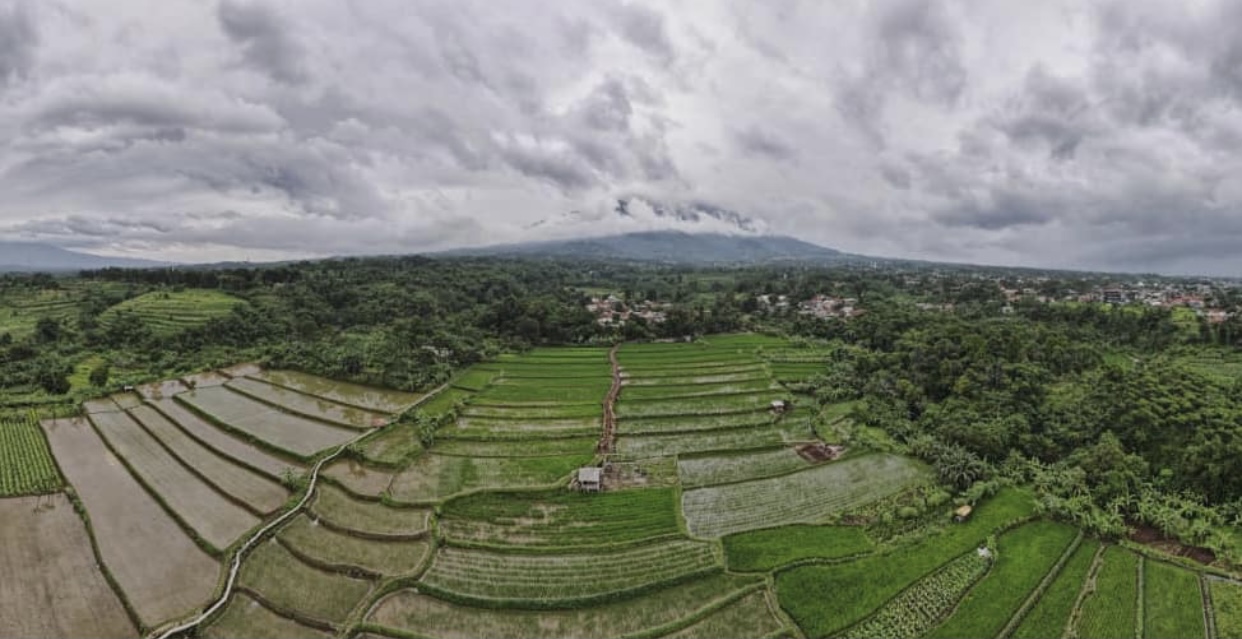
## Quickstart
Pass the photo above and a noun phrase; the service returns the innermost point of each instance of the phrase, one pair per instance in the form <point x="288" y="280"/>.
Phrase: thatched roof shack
<point x="962" y="513"/>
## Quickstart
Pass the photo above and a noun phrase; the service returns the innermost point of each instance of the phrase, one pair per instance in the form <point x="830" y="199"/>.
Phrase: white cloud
<point x="1063" y="133"/>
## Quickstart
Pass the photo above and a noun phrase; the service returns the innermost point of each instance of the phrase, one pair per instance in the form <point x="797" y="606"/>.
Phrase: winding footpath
<point x="608" y="439"/>
<point x="235" y="565"/>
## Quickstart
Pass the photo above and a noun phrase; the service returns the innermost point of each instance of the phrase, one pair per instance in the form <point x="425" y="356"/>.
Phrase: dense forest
<point x="1119" y="415"/>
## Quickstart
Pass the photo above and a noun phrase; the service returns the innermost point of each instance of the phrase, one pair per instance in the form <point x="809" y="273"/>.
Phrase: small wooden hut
<point x="589" y="479"/>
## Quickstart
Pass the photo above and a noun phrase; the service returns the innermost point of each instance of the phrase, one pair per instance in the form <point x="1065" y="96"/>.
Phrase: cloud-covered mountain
<point x="634" y="214"/>
<point x="672" y="247"/>
<point x="29" y="257"/>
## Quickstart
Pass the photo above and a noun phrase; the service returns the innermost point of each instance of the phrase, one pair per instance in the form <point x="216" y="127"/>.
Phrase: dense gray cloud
<point x="264" y="38"/>
<point x="1101" y="134"/>
<point x="17" y="42"/>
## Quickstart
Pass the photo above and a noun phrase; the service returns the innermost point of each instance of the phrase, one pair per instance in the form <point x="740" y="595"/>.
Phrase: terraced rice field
<point x="750" y="616"/>
<point x="826" y="599"/>
<point x="159" y="568"/>
<point x="540" y="580"/>
<point x="715" y="440"/>
<point x="281" y="431"/>
<point x="1173" y="602"/>
<point x="222" y="442"/>
<point x="561" y="518"/>
<point x="337" y="509"/>
<point x="359" y="478"/>
<point x="771" y="548"/>
<point x="693" y="424"/>
<point x="366" y="397"/>
<point x="207" y="512"/>
<point x="261" y="495"/>
<point x="807" y="496"/>
<point x="169" y="312"/>
<point x="424" y="615"/>
<point x="322" y="546"/>
<point x="21" y="310"/>
<point x="287" y="584"/>
<point x="500" y="428"/>
<point x="472" y="531"/>
<point x="308" y="405"/>
<point x="163" y="488"/>
<point x="930" y="599"/>
<point x="1111" y="606"/>
<point x="519" y="448"/>
<point x="1024" y="556"/>
<point x="433" y="477"/>
<point x="1226" y="607"/>
<point x="46" y="557"/>
<point x="696" y="471"/>
<point x="1051" y="615"/>
<point x="245" y="617"/>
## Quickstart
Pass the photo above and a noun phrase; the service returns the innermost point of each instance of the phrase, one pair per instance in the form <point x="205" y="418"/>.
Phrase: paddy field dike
<point x="459" y="514"/>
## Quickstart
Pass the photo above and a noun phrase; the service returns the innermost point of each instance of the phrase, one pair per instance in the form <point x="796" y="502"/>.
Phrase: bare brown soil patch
<point x="161" y="390"/>
<point x="1150" y="536"/>
<point x="819" y="452"/>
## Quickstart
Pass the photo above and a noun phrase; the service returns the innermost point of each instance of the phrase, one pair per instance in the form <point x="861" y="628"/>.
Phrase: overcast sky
<point x="1055" y="133"/>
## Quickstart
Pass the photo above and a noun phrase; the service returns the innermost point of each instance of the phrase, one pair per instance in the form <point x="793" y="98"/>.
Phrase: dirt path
<point x="235" y="564"/>
<point x="608" y="439"/>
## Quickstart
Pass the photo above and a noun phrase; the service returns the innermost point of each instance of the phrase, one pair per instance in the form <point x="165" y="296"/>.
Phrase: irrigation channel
<point x="608" y="439"/>
<point x="235" y="565"/>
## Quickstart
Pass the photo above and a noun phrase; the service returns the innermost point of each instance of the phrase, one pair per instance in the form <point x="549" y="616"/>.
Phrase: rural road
<point x="607" y="439"/>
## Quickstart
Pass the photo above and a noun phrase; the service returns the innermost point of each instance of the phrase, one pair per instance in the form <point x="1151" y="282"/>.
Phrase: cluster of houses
<point x="613" y="311"/>
<point x="1195" y="297"/>
<point x="823" y="307"/>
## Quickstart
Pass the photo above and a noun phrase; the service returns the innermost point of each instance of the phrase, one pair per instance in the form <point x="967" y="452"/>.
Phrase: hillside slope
<point x="27" y="257"/>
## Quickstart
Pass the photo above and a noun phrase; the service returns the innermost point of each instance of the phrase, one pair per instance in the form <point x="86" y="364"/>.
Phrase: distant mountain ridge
<point x="633" y="214"/>
<point x="24" y="257"/>
<point x="670" y="247"/>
